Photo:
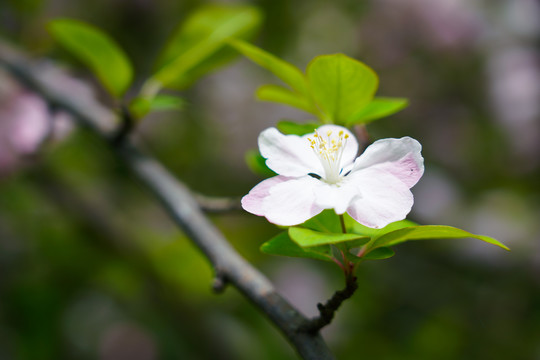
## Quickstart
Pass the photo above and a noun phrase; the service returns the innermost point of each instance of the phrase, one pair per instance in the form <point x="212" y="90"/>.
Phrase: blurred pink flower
<point x="514" y="89"/>
<point x="447" y="24"/>
<point x="321" y="171"/>
<point x="26" y="121"/>
<point x="24" y="125"/>
<point x="395" y="29"/>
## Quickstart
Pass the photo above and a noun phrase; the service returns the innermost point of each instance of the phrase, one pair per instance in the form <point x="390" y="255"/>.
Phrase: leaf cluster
<point x="196" y="48"/>
<point x="322" y="238"/>
<point x="335" y="88"/>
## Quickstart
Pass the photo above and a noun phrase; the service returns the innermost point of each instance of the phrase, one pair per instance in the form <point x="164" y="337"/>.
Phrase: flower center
<point x="329" y="150"/>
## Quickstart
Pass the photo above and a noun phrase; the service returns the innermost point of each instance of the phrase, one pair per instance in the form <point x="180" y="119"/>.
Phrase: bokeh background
<point x="92" y="268"/>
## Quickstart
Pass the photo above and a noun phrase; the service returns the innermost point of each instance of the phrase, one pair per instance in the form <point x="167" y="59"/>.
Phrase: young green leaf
<point x="429" y="232"/>
<point x="167" y="102"/>
<point x="376" y="254"/>
<point x="341" y="86"/>
<point x="141" y="106"/>
<point x="287" y="72"/>
<point x="307" y="237"/>
<point x="257" y="164"/>
<point x="354" y="226"/>
<point x="96" y="50"/>
<point x="326" y="221"/>
<point x="279" y="94"/>
<point x="293" y="128"/>
<point x="199" y="45"/>
<point x="282" y="245"/>
<point x="379" y="254"/>
<point x="378" y="108"/>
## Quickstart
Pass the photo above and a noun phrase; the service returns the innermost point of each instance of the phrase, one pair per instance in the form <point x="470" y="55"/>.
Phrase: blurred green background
<point x="92" y="268"/>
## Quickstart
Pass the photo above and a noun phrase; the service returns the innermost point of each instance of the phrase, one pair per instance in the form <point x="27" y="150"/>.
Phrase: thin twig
<point x="328" y="310"/>
<point x="212" y="204"/>
<point x="178" y="201"/>
<point x="209" y="204"/>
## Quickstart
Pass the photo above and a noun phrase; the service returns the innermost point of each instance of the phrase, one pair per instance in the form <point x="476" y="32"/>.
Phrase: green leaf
<point x="326" y="221"/>
<point x="341" y="86"/>
<point x="282" y="245"/>
<point x="378" y="108"/>
<point x="199" y="45"/>
<point x="429" y="232"/>
<point x="292" y="128"/>
<point x="96" y="50"/>
<point x="354" y="226"/>
<point x="287" y="72"/>
<point x="396" y="225"/>
<point x="307" y="237"/>
<point x="279" y="94"/>
<point x="141" y="106"/>
<point x="167" y="102"/>
<point x="257" y="164"/>
<point x="375" y="254"/>
<point x="379" y="254"/>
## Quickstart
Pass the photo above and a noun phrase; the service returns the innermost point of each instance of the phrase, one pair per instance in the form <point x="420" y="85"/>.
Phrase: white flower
<point x="321" y="171"/>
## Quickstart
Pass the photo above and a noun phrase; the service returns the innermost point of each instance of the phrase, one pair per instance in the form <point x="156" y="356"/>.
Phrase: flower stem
<point x="328" y="309"/>
<point x="342" y="220"/>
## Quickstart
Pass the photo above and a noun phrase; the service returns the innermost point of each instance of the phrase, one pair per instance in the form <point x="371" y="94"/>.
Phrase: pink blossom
<point x="320" y="171"/>
<point x="24" y="125"/>
<point x="26" y="122"/>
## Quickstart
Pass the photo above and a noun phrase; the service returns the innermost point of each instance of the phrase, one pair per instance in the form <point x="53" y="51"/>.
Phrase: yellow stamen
<point x="329" y="150"/>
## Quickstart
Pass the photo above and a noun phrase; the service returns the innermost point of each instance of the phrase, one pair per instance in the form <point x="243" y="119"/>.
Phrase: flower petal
<point x="288" y="155"/>
<point x="330" y="196"/>
<point x="400" y="157"/>
<point x="383" y="198"/>
<point x="254" y="200"/>
<point x="292" y="202"/>
<point x="350" y="150"/>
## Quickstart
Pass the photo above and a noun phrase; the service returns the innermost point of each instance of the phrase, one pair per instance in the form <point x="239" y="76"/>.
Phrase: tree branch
<point x="178" y="201"/>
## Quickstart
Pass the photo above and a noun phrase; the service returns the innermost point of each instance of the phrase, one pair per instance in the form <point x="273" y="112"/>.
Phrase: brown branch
<point x="328" y="310"/>
<point x="181" y="206"/>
